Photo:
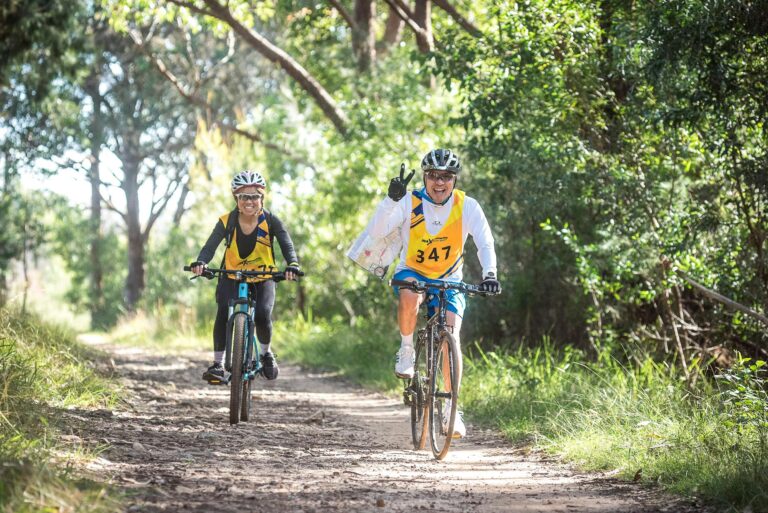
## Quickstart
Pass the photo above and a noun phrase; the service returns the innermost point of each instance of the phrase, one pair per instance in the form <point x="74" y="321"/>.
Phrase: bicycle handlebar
<point x="423" y="286"/>
<point x="210" y="272"/>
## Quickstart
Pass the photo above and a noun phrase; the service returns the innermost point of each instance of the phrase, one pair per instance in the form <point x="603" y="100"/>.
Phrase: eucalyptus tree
<point x="150" y="130"/>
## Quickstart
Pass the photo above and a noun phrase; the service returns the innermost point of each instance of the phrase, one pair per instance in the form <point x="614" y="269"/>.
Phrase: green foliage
<point x="43" y="370"/>
<point x="71" y="238"/>
<point x="362" y="353"/>
<point x="605" y="125"/>
<point x="744" y="388"/>
<point x="24" y="231"/>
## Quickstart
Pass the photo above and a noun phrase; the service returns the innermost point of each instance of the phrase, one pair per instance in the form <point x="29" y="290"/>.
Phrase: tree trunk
<point x="392" y="31"/>
<point x="423" y="15"/>
<point x="97" y="135"/>
<point x="363" y="37"/>
<point x="180" y="205"/>
<point x="134" y="282"/>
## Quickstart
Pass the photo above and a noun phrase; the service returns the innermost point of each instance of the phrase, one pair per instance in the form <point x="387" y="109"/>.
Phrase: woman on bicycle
<point x="434" y="223"/>
<point x="249" y="231"/>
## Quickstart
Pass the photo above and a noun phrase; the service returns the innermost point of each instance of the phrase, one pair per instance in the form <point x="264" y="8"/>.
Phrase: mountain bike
<point x="239" y="358"/>
<point x="430" y="388"/>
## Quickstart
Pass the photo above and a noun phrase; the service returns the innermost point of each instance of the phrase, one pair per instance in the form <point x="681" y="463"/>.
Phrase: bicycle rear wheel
<point x="238" y="352"/>
<point x="443" y="387"/>
<point x="418" y="392"/>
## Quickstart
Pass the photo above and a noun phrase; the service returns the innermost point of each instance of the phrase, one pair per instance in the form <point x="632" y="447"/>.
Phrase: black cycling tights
<point x="264" y="294"/>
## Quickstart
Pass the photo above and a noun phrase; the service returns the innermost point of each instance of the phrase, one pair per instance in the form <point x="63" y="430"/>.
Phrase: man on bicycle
<point x="249" y="231"/>
<point x="434" y="222"/>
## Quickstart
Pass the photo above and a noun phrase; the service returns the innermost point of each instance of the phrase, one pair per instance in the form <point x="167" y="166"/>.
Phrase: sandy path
<point x="317" y="444"/>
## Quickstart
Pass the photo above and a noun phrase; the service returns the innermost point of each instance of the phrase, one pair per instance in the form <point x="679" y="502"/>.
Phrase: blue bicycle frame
<point x="243" y="305"/>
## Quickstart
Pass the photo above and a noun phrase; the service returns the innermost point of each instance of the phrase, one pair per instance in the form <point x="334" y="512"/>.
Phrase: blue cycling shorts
<point x="456" y="300"/>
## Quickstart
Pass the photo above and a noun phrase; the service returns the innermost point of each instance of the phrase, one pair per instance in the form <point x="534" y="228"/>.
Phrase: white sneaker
<point x="459" y="429"/>
<point x="404" y="361"/>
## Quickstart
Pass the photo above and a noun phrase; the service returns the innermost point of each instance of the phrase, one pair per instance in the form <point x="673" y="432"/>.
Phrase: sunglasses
<point x="436" y="176"/>
<point x="248" y="197"/>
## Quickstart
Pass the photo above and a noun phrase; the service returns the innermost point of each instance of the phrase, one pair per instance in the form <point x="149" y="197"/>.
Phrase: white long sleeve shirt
<point x="391" y="215"/>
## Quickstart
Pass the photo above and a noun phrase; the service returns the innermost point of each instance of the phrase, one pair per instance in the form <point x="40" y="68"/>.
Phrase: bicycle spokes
<point x="444" y="391"/>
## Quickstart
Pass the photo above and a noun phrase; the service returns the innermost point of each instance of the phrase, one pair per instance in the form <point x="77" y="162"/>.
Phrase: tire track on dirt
<point x="315" y="444"/>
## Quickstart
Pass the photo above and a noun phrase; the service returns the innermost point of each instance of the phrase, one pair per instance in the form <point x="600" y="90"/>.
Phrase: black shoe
<point x="216" y="374"/>
<point x="269" y="365"/>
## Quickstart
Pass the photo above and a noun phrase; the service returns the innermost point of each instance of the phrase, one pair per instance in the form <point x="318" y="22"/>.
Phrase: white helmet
<point x="441" y="159"/>
<point x="246" y="178"/>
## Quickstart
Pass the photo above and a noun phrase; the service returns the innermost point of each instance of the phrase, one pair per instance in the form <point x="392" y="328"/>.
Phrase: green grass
<point x="709" y="441"/>
<point x="364" y="353"/>
<point x="44" y="370"/>
<point x="162" y="335"/>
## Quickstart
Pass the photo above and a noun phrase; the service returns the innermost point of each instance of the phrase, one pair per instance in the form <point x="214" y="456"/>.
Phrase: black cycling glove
<point x="399" y="185"/>
<point x="490" y="284"/>
<point x="293" y="268"/>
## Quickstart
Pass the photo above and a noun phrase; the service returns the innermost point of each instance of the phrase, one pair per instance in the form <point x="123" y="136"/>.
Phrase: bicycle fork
<point x="252" y="364"/>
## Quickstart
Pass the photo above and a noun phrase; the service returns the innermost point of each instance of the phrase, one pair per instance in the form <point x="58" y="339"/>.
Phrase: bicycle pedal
<point x="219" y="381"/>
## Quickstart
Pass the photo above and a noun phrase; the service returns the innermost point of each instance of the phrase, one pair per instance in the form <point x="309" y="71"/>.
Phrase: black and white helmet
<point x="441" y="159"/>
<point x="246" y="178"/>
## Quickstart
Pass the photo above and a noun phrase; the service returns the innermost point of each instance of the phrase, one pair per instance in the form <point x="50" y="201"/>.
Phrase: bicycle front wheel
<point x="444" y="390"/>
<point x="418" y="392"/>
<point x="245" y="407"/>
<point x="239" y="334"/>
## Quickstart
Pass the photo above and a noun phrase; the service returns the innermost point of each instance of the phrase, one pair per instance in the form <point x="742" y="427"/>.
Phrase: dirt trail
<point x="317" y="444"/>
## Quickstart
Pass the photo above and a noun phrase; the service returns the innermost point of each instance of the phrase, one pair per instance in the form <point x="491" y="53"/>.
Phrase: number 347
<point x="434" y="254"/>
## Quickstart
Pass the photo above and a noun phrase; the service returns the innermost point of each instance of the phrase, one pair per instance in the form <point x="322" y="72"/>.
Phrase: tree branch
<point x="111" y="206"/>
<point x="730" y="303"/>
<point x="344" y="13"/>
<point x="192" y="7"/>
<point x="404" y="13"/>
<point x="461" y="20"/>
<point x="170" y="190"/>
<point x="200" y="102"/>
<point x="278" y="56"/>
<point x="410" y="19"/>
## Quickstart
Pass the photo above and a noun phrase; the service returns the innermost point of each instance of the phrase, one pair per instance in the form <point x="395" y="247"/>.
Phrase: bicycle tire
<point x="238" y="352"/>
<point x="245" y="405"/>
<point x="440" y="437"/>
<point x="418" y="391"/>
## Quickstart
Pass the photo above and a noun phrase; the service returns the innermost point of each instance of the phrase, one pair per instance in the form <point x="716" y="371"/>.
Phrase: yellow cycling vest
<point x="439" y="255"/>
<point x="261" y="258"/>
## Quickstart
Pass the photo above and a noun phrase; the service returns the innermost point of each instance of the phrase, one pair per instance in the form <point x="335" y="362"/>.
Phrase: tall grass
<point x="163" y="335"/>
<point x="43" y="370"/>
<point x="644" y="421"/>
